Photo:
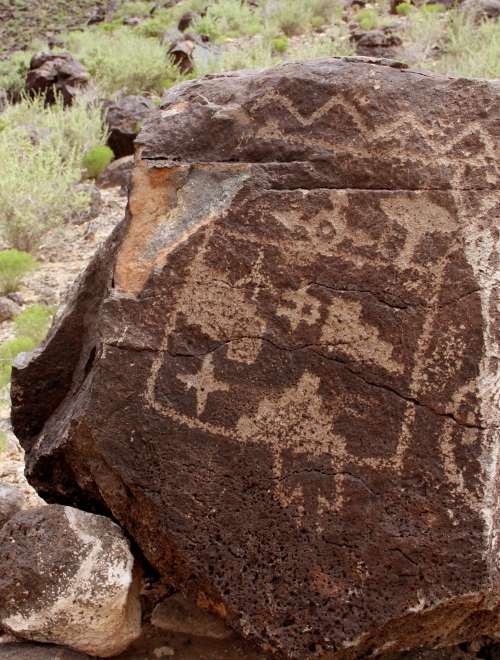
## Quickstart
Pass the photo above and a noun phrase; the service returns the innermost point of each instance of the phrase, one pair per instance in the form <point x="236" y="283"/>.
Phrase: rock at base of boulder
<point x="178" y="615"/>
<point x="12" y="500"/>
<point x="70" y="581"/>
<point x="38" y="652"/>
<point x="117" y="174"/>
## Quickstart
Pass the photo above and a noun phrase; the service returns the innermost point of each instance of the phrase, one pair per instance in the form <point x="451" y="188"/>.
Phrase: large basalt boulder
<point x="279" y="374"/>
<point x="124" y="119"/>
<point x="56" y="74"/>
<point x="67" y="578"/>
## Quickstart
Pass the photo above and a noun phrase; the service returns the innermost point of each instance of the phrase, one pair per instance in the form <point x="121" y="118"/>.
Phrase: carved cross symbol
<point x="204" y="382"/>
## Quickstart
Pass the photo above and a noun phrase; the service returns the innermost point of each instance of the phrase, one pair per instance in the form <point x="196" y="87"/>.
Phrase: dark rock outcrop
<point x="124" y="118"/>
<point x="53" y="74"/>
<point x="279" y="374"/>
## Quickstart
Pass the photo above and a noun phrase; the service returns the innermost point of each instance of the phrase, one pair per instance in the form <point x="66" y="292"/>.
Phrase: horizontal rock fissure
<point x="171" y="163"/>
<point x="310" y="347"/>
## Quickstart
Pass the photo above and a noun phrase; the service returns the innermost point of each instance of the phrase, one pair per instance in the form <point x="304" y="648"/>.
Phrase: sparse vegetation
<point x="9" y="350"/>
<point x="30" y="328"/>
<point x="280" y="44"/>
<point x="34" y="322"/>
<point x="41" y="153"/>
<point x="123" y="61"/>
<point x="14" y="266"/>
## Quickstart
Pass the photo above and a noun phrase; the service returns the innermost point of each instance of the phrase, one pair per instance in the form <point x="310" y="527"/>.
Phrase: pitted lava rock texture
<point x="67" y="578"/>
<point x="283" y="363"/>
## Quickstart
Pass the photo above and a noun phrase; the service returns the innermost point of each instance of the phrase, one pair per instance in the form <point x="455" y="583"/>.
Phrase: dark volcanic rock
<point x="56" y="73"/>
<point x="178" y="615"/>
<point x="124" y="119"/>
<point x="279" y="375"/>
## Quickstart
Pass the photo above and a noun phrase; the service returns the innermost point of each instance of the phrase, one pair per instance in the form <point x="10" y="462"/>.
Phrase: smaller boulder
<point x="376" y="43"/>
<point x="8" y="309"/>
<point x="187" y="51"/>
<point x="99" y="16"/>
<point x="178" y="615"/>
<point x="124" y="118"/>
<point x="117" y="174"/>
<point x="70" y="581"/>
<point x="53" y="74"/>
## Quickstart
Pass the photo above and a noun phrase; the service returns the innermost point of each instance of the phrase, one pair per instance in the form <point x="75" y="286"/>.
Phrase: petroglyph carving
<point x="297" y="325"/>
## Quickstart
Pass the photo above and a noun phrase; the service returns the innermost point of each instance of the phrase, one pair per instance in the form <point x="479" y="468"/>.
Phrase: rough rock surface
<point x="69" y="581"/>
<point x="117" y="174"/>
<point x="177" y="614"/>
<point x="56" y="73"/>
<point x="38" y="652"/>
<point x="124" y="118"/>
<point x="8" y="309"/>
<point x="279" y="374"/>
<point x="12" y="500"/>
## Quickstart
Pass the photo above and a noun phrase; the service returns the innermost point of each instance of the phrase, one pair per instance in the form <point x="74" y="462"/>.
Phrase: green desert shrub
<point x="14" y="266"/>
<point x="132" y="9"/>
<point x="123" y="60"/>
<point x="470" y="50"/>
<point x="404" y="8"/>
<point x="41" y="153"/>
<point x="229" y="18"/>
<point x="157" y="25"/>
<point x="367" y="18"/>
<point x="13" y="72"/>
<point x="280" y="44"/>
<point x="96" y="160"/>
<point x="34" y="322"/>
<point x="335" y="45"/>
<point x="327" y="9"/>
<point x="9" y="350"/>
<point x="31" y="327"/>
<point x="317" y="22"/>
<point x="433" y="8"/>
<point x="292" y="17"/>
<point x="257" y="55"/>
